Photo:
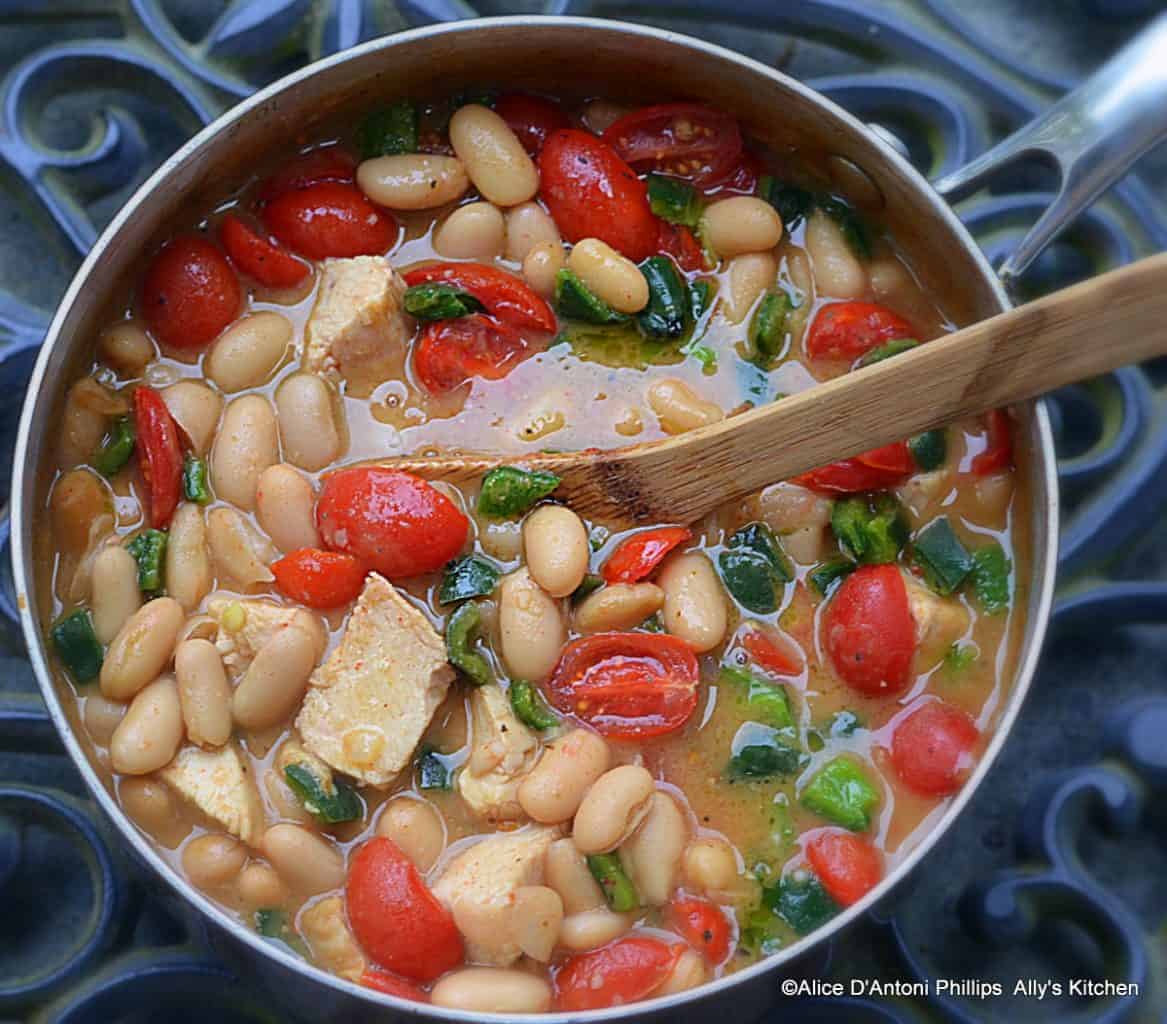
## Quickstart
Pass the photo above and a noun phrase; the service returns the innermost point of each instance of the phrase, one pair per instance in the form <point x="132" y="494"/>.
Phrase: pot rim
<point x="1044" y="563"/>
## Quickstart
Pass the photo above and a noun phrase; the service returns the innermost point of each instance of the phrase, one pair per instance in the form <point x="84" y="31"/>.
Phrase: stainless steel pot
<point x="1093" y="135"/>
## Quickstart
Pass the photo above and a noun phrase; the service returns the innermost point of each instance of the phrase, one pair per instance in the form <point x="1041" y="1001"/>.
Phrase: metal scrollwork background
<point x="1057" y="868"/>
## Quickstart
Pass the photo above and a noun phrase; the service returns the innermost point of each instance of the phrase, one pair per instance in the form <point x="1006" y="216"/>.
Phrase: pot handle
<point x="1092" y="135"/>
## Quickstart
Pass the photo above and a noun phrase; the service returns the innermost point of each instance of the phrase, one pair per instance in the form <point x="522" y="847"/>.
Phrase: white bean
<point x="188" y="562"/>
<point x="837" y="271"/>
<point x="741" y="224"/>
<point x="590" y="929"/>
<point x="475" y="231"/>
<point x="102" y="718"/>
<point x="142" y="648"/>
<point x="307" y="418"/>
<point x="204" y="693"/>
<point x="260" y="887"/>
<point x="710" y="865"/>
<point x="695" y="607"/>
<point x="618" y="606"/>
<point x="245" y="446"/>
<point x="652" y="855"/>
<point x="566" y="871"/>
<point x="195" y="408"/>
<point x="494" y="157"/>
<point x="613" y="809"/>
<point x="413" y="181"/>
<point x="552" y="791"/>
<point x="240" y="552"/>
<point x="286" y="508"/>
<point x="749" y="276"/>
<point x="116" y="595"/>
<point x="127" y="348"/>
<point x="307" y="861"/>
<point x="86" y="415"/>
<point x="213" y="860"/>
<point x="148" y="737"/>
<point x="541" y="267"/>
<point x="679" y="407"/>
<point x="247" y="353"/>
<point x="276" y="678"/>
<point x="416" y="827"/>
<point x="492" y="990"/>
<point x="528" y="225"/>
<point x="610" y="276"/>
<point x="148" y="802"/>
<point x="531" y="627"/>
<point x="555" y="543"/>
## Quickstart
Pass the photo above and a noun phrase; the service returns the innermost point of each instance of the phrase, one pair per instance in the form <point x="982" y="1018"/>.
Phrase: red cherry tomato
<point x="869" y="631"/>
<point x="330" y="218"/>
<point x="159" y="455"/>
<point x="531" y="118"/>
<point x="398" y="922"/>
<point x="875" y="470"/>
<point x="677" y="241"/>
<point x="190" y="293"/>
<point x="319" y="579"/>
<point x="627" y="685"/>
<point x="390" y="984"/>
<point x="451" y="352"/>
<point x="769" y="654"/>
<point x="504" y="296"/>
<point x="621" y="972"/>
<point x="703" y="925"/>
<point x="998" y="454"/>
<point x="848" y="866"/>
<point x="932" y="748"/>
<point x="392" y="521"/>
<point x="742" y="180"/>
<point x="327" y="163"/>
<point x="684" y="139"/>
<point x="641" y="553"/>
<point x="592" y="193"/>
<point x="848" y="330"/>
<point x="256" y="256"/>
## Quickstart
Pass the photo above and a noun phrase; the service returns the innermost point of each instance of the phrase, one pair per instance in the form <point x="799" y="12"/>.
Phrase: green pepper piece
<point x="653" y="624"/>
<point x="768" y="700"/>
<point x="990" y="578"/>
<point x="149" y="551"/>
<point x="929" y="449"/>
<point x="588" y="585"/>
<point x="575" y="301"/>
<point x="791" y="202"/>
<point x="854" y="228"/>
<point x="673" y="200"/>
<point x="271" y="922"/>
<point x="704" y="355"/>
<point x="437" y="301"/>
<point x="801" y="901"/>
<point x="759" y="751"/>
<point x="432" y="772"/>
<point x="826" y="575"/>
<point x="870" y="529"/>
<point x="768" y="333"/>
<point x="618" y="888"/>
<point x="960" y="656"/>
<point x="328" y="804"/>
<point x="116" y="447"/>
<point x="701" y="294"/>
<point x="887" y="350"/>
<point x="944" y="560"/>
<point x="462" y="631"/>
<point x="841" y="792"/>
<point x="597" y="538"/>
<point x="666" y="315"/>
<point x="467" y="577"/>
<point x="195" y="485"/>
<point x="510" y="491"/>
<point x="754" y="568"/>
<point x="390" y="131"/>
<point x="529" y="706"/>
<point x="77" y="645"/>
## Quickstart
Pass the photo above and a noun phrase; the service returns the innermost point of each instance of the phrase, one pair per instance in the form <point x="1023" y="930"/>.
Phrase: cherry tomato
<point x="319" y="579"/>
<point x="190" y="293"/>
<point x="390" y="984"/>
<point x="848" y="866"/>
<point x="677" y="241"/>
<point x="703" y="925"/>
<point x="869" y="631"/>
<point x="256" y="256"/>
<point x="621" y="972"/>
<point x="394" y="522"/>
<point x="892" y="458"/>
<point x="848" y="330"/>
<point x="627" y="685"/>
<point x="932" y="748"/>
<point x="505" y="297"/>
<point x="531" y="118"/>
<point x="875" y="470"/>
<point x="769" y="654"/>
<point x="451" y="352"/>
<point x="998" y="455"/>
<point x="326" y="163"/>
<point x="330" y="218"/>
<point x="398" y="922"/>
<point x="592" y="193"/>
<point x="683" y="139"/>
<point x="641" y="553"/>
<point x="159" y="455"/>
<point x="742" y="180"/>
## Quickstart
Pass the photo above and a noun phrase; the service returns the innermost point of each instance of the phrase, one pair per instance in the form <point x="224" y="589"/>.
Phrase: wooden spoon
<point x="1071" y="335"/>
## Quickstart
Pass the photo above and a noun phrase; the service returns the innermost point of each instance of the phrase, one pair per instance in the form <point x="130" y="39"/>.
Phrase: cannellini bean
<point x="286" y="508"/>
<point x="709" y="864"/>
<point x="247" y="353"/>
<point x="688" y="972"/>
<point x="195" y="408"/>
<point x="741" y="224"/>
<point x="679" y="407"/>
<point x="116" y="595"/>
<point x="566" y="871"/>
<point x="618" y="606"/>
<point x="305" y="860"/>
<point x="555" y="542"/>
<point x="494" y="157"/>
<point x="307" y="418"/>
<point x="245" y="446"/>
<point x="589" y="929"/>
<point x="204" y="693"/>
<point x="142" y="648"/>
<point x="148" y="737"/>
<point x="541" y="266"/>
<point x="531" y="627"/>
<point x="475" y="231"/>
<point x="536" y="915"/>
<point x="652" y="855"/>
<point x="416" y="827"/>
<point x="285" y="803"/>
<point x="612" y="277"/>
<point x="79" y="498"/>
<point x="276" y="678"/>
<point x="695" y="607"/>
<point x="529" y="225"/>
<point x="88" y="405"/>
<point x="213" y="860"/>
<point x="260" y="887"/>
<point x="837" y="271"/>
<point x="805" y="545"/>
<point x="127" y="348"/>
<point x="413" y="181"/>
<point x="148" y="802"/>
<point x="240" y="552"/>
<point x="492" y="990"/>
<point x="749" y="276"/>
<point x="612" y="809"/>
<point x="553" y="789"/>
<point x="102" y="717"/>
<point x="188" y="560"/>
<point x="787" y="507"/>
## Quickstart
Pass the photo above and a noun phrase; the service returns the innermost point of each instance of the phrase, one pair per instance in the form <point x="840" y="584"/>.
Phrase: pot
<point x="1093" y="134"/>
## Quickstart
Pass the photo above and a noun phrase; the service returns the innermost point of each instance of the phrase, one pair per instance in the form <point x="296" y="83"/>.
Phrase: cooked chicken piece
<point x="245" y="625"/>
<point x="940" y="622"/>
<point x="219" y="783"/>
<point x="504" y="751"/>
<point x="922" y="493"/>
<point x="325" y="929"/>
<point x="369" y="703"/>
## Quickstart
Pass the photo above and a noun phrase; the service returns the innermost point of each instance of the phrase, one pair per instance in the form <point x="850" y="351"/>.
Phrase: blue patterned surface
<point x="1057" y="867"/>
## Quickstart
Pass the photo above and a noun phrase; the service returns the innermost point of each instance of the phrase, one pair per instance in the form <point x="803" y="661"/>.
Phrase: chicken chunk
<point x="940" y="622"/>
<point x="369" y="703"/>
<point x="480" y="884"/>
<point x="504" y="751"/>
<point x="325" y="929"/>
<point x="244" y="626"/>
<point x="358" y="327"/>
<point x="219" y="783"/>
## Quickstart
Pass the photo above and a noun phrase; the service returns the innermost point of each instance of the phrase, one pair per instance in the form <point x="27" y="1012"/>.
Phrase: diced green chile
<point x="944" y="560"/>
<point x="116" y="447"/>
<point x="588" y="585"/>
<point x="438" y="301"/>
<point x="673" y="200"/>
<point x="824" y="576"/>
<point x="328" y="803"/>
<point x="990" y="578"/>
<point x="389" y="131"/>
<point x="887" y="350"/>
<point x="759" y="751"/>
<point x="870" y="529"/>
<point x="614" y="881"/>
<point x="462" y="631"/>
<point x="432" y="771"/>
<point x="929" y="449"/>
<point x="701" y="293"/>
<point x="271" y="923"/>
<point x="960" y="656"/>
<point x="801" y="901"/>
<point x="766" y="700"/>
<point x="467" y="577"/>
<point x="510" y="491"/>
<point x="529" y="706"/>
<point x="754" y="568"/>
<point x="666" y="315"/>
<point x="77" y="645"/>
<point x="853" y="227"/>
<point x="791" y="202"/>
<point x="768" y="331"/>
<point x="653" y="624"/>
<point x="149" y="551"/>
<point x="196" y="485"/>
<point x="841" y="792"/>
<point x="574" y="300"/>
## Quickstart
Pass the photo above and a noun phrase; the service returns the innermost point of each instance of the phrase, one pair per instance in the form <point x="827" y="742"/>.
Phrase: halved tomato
<point x="505" y="297"/>
<point x="451" y="352"/>
<point x="688" y="140"/>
